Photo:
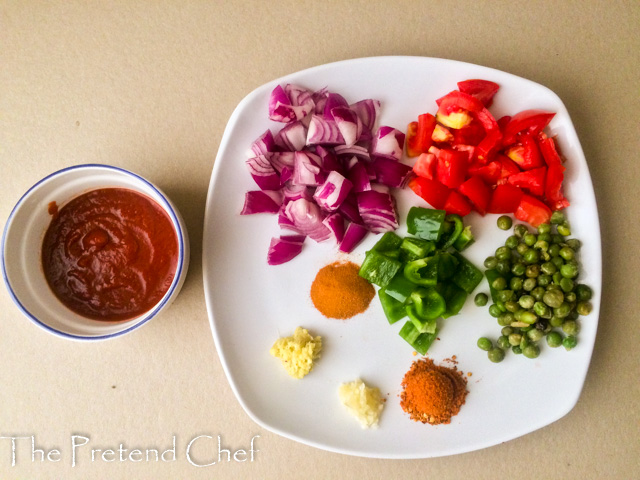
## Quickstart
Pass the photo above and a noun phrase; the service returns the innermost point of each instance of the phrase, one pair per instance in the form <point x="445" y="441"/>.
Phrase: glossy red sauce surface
<point x="110" y="254"/>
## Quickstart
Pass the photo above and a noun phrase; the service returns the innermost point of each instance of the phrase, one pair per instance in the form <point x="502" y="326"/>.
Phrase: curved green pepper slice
<point x="423" y="271"/>
<point x="458" y="226"/>
<point x="425" y="307"/>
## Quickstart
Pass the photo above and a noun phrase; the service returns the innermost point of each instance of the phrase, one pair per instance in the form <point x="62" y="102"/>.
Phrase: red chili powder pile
<point x="432" y="393"/>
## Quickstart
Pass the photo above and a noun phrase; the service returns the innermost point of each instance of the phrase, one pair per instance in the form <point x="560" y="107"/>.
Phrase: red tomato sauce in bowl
<point x="110" y="254"/>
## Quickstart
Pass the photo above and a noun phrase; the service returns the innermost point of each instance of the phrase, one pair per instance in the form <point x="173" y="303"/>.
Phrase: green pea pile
<point x="534" y="288"/>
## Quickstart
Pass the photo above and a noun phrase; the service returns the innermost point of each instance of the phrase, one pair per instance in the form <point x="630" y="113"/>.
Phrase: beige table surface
<point x="149" y="86"/>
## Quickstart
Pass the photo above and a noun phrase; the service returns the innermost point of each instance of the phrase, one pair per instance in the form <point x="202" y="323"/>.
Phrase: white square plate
<point x="251" y="304"/>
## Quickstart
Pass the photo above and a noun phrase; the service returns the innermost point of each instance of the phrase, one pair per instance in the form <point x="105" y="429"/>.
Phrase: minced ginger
<point x="297" y="352"/>
<point x="363" y="402"/>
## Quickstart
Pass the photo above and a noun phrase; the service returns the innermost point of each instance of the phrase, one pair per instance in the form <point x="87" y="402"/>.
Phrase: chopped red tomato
<point x="531" y="180"/>
<point x="478" y="192"/>
<point x="527" y="121"/>
<point x="457" y="203"/>
<point x="532" y="211"/>
<point x="418" y="138"/>
<point x="441" y="135"/>
<point x="488" y="147"/>
<point x="472" y="134"/>
<point x="505" y="199"/>
<point x="452" y="167"/>
<point x="509" y="167"/>
<point x="425" y="166"/>
<point x="549" y="150"/>
<point x="490" y="173"/>
<point x="553" y="187"/>
<point x="455" y="101"/>
<point x="502" y="122"/>
<point x="411" y="140"/>
<point x="432" y="191"/>
<point x="476" y="162"/>
<point x="526" y="153"/>
<point x="483" y="90"/>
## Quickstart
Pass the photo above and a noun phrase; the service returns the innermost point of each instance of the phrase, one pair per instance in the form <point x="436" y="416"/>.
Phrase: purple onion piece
<point x="323" y="132"/>
<point x="262" y="201"/>
<point x="388" y="143"/>
<point x="263" y="173"/>
<point x="291" y="137"/>
<point x="335" y="223"/>
<point x="332" y="192"/>
<point x="307" y="218"/>
<point x="352" y="237"/>
<point x="390" y="172"/>
<point x="290" y="104"/>
<point x="358" y="176"/>
<point x="333" y="100"/>
<point x="348" y="123"/>
<point x="367" y="111"/>
<point x="283" y="249"/>
<point x="280" y="160"/>
<point x="357" y="150"/>
<point x="378" y="211"/>
<point x="264" y="144"/>
<point x="306" y="170"/>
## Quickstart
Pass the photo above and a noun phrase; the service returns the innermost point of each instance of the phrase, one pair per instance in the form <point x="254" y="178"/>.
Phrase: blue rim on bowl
<point x="181" y="267"/>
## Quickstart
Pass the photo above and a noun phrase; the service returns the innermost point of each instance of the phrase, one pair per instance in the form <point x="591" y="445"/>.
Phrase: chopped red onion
<point x="332" y="192"/>
<point x="391" y="172"/>
<point x="290" y="104"/>
<point x="357" y="150"/>
<point x="283" y="249"/>
<point x="323" y="132"/>
<point x="262" y="201"/>
<point x="329" y="160"/>
<point x="335" y="223"/>
<point x="333" y="100"/>
<point x="280" y="160"/>
<point x="352" y="237"/>
<point x="292" y="137"/>
<point x="367" y="110"/>
<point x="388" y="142"/>
<point x="378" y="211"/>
<point x="307" y="218"/>
<point x="263" y="144"/>
<point x="306" y="170"/>
<point x="348" y="123"/>
<point x="357" y="174"/>
<point x="263" y="173"/>
<point x="324" y="173"/>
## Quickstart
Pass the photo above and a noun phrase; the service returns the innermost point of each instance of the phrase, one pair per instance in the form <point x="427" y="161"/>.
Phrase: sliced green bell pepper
<point x="426" y="304"/>
<point x="447" y="266"/>
<point x="392" y="308"/>
<point x="415" y="248"/>
<point x="454" y="297"/>
<point x="400" y="287"/>
<point x="467" y="275"/>
<point x="389" y="242"/>
<point x="379" y="269"/>
<point x="423" y="271"/>
<point x="464" y="240"/>
<point x="419" y="341"/>
<point x="426" y="223"/>
<point x="454" y="226"/>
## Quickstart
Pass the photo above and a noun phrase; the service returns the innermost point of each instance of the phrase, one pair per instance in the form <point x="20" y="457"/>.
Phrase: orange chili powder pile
<point x="339" y="292"/>
<point x="432" y="393"/>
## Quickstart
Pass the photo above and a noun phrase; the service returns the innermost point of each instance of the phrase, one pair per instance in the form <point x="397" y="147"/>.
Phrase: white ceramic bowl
<point x="22" y="243"/>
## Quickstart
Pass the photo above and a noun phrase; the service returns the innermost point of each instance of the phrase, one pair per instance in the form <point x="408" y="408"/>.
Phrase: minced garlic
<point x="297" y="352"/>
<point x="363" y="402"/>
